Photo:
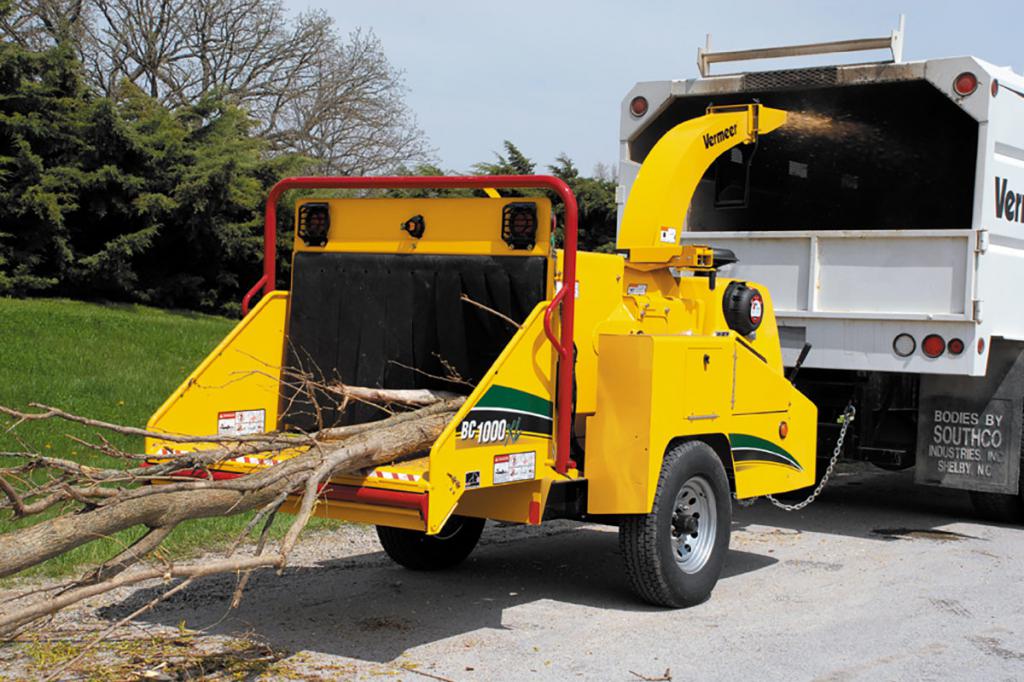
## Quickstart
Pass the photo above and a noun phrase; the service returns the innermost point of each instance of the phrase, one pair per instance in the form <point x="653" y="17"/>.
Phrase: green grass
<point x="115" y="363"/>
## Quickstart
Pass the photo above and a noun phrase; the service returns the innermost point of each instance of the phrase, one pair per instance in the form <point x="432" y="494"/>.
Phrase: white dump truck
<point x="887" y="219"/>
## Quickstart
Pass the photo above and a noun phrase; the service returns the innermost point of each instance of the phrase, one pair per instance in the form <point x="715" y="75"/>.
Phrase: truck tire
<point x="674" y="554"/>
<point x="1001" y="508"/>
<point x="418" y="551"/>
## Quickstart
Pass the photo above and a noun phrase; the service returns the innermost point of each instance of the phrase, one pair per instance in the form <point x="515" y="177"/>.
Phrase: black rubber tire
<point x="421" y="552"/>
<point x="646" y="539"/>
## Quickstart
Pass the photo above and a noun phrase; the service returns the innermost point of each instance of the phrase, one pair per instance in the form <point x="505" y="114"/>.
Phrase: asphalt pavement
<point x="879" y="579"/>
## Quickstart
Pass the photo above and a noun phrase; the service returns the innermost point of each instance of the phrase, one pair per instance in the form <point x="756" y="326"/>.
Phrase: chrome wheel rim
<point x="694" y="525"/>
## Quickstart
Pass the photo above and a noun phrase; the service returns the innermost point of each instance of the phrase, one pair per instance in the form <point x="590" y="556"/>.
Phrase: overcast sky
<point x="550" y="75"/>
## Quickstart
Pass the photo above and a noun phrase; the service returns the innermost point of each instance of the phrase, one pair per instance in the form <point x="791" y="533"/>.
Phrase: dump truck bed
<point x="877" y="210"/>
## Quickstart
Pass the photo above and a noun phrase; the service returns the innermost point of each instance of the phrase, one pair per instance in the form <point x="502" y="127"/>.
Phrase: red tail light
<point x="965" y="84"/>
<point x="933" y="345"/>
<point x="638" y="106"/>
<point x="955" y="346"/>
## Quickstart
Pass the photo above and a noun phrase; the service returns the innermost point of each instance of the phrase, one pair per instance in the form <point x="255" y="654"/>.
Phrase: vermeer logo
<point x="1009" y="204"/>
<point x="721" y="136"/>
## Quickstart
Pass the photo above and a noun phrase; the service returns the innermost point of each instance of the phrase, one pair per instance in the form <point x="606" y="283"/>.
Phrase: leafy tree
<point x="596" y="199"/>
<point x="595" y="196"/>
<point x="122" y="199"/>
<point x="309" y="89"/>
<point x="41" y="119"/>
<point x="512" y="162"/>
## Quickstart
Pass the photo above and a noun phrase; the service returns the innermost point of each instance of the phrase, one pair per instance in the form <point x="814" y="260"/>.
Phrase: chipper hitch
<point x="642" y="389"/>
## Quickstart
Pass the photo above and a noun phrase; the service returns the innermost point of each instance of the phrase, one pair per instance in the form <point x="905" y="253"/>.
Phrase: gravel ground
<point x="877" y="580"/>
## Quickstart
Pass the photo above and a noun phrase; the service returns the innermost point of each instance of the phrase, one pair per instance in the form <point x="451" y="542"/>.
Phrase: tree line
<point x="138" y="139"/>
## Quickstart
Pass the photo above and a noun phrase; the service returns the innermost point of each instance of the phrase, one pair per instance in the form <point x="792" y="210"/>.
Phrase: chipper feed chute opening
<point x="456" y="298"/>
<point x="639" y="389"/>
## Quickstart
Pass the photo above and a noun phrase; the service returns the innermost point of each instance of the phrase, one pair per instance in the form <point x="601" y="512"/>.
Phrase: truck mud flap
<point x="969" y="428"/>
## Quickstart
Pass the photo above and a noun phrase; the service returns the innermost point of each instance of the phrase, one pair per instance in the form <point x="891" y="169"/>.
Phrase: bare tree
<point x="337" y="100"/>
<point x="38" y="24"/>
<point x="308" y="89"/>
<point x="351" y="117"/>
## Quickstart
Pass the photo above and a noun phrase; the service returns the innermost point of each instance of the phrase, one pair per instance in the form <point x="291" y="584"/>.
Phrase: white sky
<point x="550" y="75"/>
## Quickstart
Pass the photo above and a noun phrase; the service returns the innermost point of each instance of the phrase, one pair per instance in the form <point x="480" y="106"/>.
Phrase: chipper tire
<point x="421" y="552"/>
<point x="674" y="555"/>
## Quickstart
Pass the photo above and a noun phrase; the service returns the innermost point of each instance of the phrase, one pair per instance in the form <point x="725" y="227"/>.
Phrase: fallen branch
<point x="105" y="501"/>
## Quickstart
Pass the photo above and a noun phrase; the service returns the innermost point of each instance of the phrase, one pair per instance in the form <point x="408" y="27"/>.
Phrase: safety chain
<point x="845" y="419"/>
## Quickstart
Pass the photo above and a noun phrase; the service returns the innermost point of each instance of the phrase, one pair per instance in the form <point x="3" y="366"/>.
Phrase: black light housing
<point x="743" y="307"/>
<point x="415" y="226"/>
<point x="314" y="223"/>
<point x="519" y="225"/>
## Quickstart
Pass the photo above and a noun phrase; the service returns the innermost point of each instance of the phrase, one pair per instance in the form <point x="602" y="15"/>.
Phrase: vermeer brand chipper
<point x="640" y="390"/>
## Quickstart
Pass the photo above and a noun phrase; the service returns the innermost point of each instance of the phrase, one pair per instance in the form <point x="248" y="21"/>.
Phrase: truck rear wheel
<point x="674" y="555"/>
<point x="421" y="552"/>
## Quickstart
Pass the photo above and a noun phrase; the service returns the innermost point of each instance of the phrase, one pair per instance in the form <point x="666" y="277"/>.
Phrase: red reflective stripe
<point x="568" y="305"/>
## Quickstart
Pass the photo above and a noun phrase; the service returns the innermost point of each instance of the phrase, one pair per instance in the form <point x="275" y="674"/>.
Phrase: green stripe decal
<point x="747" y="448"/>
<point x="503" y="397"/>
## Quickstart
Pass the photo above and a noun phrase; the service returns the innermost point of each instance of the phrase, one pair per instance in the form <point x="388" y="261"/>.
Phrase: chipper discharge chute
<point x="639" y="389"/>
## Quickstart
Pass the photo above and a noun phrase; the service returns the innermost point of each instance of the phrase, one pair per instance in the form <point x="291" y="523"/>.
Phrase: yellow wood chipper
<point x="638" y="388"/>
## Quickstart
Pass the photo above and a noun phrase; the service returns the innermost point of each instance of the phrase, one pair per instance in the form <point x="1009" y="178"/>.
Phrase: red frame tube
<point x="343" y="493"/>
<point x="380" y="496"/>
<point x="563" y="346"/>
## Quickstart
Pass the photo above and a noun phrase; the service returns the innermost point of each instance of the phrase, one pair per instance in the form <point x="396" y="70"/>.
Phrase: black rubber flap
<point x="398" y="321"/>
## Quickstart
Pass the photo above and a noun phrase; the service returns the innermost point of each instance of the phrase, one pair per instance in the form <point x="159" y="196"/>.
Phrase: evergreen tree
<point x="595" y="197"/>
<point x="42" y="104"/>
<point x="512" y="162"/>
<point x="122" y="199"/>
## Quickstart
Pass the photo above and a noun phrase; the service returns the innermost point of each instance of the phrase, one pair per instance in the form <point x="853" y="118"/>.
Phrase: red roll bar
<point x="563" y="346"/>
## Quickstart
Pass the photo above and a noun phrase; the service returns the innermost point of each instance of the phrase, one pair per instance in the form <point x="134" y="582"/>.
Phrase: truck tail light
<point x="981" y="346"/>
<point x="638" y="106"/>
<point x="955" y="346"/>
<point x="995" y="87"/>
<point x="933" y="345"/>
<point x="965" y="84"/>
<point x="904" y="345"/>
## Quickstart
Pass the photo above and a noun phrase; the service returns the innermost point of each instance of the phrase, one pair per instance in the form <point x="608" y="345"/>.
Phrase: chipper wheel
<point x="421" y="552"/>
<point x="674" y="555"/>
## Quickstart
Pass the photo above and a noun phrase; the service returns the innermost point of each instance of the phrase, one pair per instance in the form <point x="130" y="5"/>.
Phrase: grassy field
<point x="112" y="362"/>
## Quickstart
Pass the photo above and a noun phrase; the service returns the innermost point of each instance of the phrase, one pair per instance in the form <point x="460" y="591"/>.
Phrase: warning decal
<point x="519" y="466"/>
<point x="241" y="422"/>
